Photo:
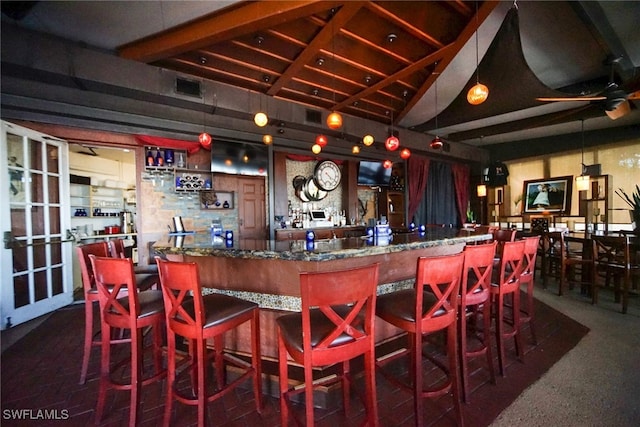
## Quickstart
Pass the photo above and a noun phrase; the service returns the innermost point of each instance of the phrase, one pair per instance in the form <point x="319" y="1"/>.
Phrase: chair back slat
<point x="531" y="245"/>
<point x="511" y="262"/>
<point x="116" y="248"/>
<point x="478" y="265"/>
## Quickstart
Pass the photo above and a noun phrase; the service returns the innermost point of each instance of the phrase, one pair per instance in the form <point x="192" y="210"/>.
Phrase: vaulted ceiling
<point x="409" y="63"/>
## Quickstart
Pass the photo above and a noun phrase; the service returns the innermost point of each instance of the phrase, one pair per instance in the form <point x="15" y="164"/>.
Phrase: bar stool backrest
<point x="511" y="262"/>
<point x="113" y="277"/>
<point x="116" y="248"/>
<point x="98" y="249"/>
<point x="476" y="276"/>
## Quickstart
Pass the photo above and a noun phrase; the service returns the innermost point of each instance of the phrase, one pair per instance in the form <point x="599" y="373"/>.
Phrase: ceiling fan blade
<point x="620" y="111"/>
<point x="576" y="98"/>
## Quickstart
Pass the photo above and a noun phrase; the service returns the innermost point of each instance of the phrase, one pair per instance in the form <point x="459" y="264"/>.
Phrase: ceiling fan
<point x="616" y="99"/>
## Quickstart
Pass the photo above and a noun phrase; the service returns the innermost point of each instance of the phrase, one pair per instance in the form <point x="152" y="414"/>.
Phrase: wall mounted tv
<point x="239" y="158"/>
<point x="373" y="173"/>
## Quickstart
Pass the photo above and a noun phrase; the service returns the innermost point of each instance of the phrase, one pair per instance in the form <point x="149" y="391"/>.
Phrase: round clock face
<point x="327" y="175"/>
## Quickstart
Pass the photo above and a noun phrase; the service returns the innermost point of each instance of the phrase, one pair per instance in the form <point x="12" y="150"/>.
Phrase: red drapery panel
<point x="176" y="144"/>
<point x="417" y="174"/>
<point x="461" y="182"/>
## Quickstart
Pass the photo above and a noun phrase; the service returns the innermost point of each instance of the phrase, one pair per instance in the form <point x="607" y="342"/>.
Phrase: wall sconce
<point x="481" y="189"/>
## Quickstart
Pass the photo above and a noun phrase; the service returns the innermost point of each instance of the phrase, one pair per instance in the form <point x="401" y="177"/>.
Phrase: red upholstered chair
<point x="99" y="249"/>
<point x="199" y="318"/>
<point x="137" y="311"/>
<point x="430" y="307"/>
<point x="615" y="256"/>
<point x="507" y="283"/>
<point x="527" y="314"/>
<point x="475" y="299"/>
<point x="336" y="324"/>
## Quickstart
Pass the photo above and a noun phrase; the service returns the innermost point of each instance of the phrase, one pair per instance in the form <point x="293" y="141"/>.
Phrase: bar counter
<point x="267" y="271"/>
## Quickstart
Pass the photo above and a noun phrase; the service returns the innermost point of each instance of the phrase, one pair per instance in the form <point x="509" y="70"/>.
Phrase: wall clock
<point x="327" y="175"/>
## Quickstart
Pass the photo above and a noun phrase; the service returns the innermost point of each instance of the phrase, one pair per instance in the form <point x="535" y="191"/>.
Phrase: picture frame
<point x="547" y="195"/>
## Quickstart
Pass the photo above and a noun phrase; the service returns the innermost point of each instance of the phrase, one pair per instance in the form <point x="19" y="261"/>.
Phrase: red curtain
<point x="417" y="174"/>
<point x="461" y="182"/>
<point x="176" y="144"/>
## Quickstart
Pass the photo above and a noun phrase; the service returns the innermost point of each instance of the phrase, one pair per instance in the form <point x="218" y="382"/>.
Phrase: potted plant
<point x="634" y="203"/>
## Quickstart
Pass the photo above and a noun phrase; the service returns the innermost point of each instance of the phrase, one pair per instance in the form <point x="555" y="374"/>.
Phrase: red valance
<point x="176" y="144"/>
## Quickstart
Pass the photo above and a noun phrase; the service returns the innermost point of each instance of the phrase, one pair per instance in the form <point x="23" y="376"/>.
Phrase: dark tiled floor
<point x="41" y="371"/>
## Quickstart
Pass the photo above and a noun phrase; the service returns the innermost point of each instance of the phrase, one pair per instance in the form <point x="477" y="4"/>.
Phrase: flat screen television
<point x="373" y="173"/>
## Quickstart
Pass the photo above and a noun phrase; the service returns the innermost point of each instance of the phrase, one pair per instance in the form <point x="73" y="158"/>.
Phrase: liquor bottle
<point x="150" y="159"/>
<point x="159" y="159"/>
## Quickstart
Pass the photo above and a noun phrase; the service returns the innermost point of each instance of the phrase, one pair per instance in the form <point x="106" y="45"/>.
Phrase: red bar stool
<point x="146" y="275"/>
<point x="527" y="315"/>
<point x="98" y="249"/>
<point x="475" y="297"/>
<point x="336" y="325"/>
<point x="135" y="312"/>
<point x="507" y="283"/>
<point x="431" y="306"/>
<point x="199" y="318"/>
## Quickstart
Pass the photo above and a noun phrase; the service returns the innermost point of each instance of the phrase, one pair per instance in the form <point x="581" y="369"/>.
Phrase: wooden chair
<point x="502" y="235"/>
<point x="199" y="318"/>
<point x="430" y="307"/>
<point x="566" y="259"/>
<point x="527" y="278"/>
<point x="507" y="283"/>
<point x="137" y="311"/>
<point x="616" y="256"/>
<point x="146" y="275"/>
<point x="474" y="298"/>
<point x="336" y="325"/>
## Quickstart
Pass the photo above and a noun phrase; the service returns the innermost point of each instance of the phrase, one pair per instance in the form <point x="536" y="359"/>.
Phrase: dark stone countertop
<point x="202" y="244"/>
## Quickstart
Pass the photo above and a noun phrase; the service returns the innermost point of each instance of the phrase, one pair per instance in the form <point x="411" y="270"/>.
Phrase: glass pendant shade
<point x="355" y="149"/>
<point x="481" y="190"/>
<point x="368" y="140"/>
<point x="392" y="143"/>
<point x="316" y="149"/>
<point x="436" y="143"/>
<point x="267" y="139"/>
<point x="334" y="121"/>
<point x="387" y="164"/>
<point x="582" y="182"/>
<point x="205" y="140"/>
<point x="260" y="119"/>
<point x="321" y="140"/>
<point x="405" y="153"/>
<point x="477" y="94"/>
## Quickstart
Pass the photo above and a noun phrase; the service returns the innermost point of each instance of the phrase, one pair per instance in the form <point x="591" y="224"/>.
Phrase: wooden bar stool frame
<point x="137" y="311"/>
<point x="527" y="310"/>
<point x="613" y="255"/>
<point x="475" y="297"/>
<point x="198" y="319"/>
<point x="430" y="307"/>
<point x="507" y="282"/>
<point x="337" y="324"/>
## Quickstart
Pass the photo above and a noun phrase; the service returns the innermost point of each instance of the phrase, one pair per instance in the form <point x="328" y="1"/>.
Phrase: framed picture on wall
<point x="548" y="195"/>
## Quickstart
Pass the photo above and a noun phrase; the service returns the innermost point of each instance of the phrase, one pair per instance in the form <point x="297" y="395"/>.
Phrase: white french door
<point x="36" y="253"/>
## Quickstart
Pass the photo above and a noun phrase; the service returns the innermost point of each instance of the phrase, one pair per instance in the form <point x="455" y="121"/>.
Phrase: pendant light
<point x="436" y="143"/>
<point x="334" y="120"/>
<point x="479" y="92"/>
<point x="405" y="153"/>
<point x="368" y="140"/>
<point x="392" y="142"/>
<point x="204" y="138"/>
<point x="261" y="119"/>
<point x="582" y="181"/>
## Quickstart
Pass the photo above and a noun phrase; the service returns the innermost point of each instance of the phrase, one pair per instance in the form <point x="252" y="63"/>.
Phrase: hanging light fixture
<point x="267" y="139"/>
<point x="405" y="153"/>
<point x="355" y="149"/>
<point x="261" y="119"/>
<point x="582" y="181"/>
<point x="316" y="149"/>
<point x="321" y="140"/>
<point x="387" y="164"/>
<point x="479" y="92"/>
<point x="436" y="143"/>
<point x="204" y="138"/>
<point x="392" y="142"/>
<point x="334" y="120"/>
<point x="481" y="190"/>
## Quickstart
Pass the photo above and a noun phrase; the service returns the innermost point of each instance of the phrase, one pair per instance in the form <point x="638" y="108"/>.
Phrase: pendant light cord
<point x="477" y="54"/>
